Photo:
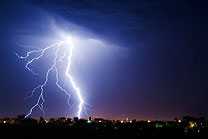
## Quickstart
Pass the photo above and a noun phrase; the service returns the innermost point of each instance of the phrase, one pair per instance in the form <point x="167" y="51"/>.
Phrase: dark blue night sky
<point x="159" y="71"/>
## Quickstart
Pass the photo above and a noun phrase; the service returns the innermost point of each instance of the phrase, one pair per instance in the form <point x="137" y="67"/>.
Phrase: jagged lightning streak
<point x="54" y="67"/>
<point x="76" y="88"/>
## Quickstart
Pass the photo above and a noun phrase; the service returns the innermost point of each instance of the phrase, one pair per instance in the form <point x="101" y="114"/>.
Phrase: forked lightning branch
<point x="61" y="50"/>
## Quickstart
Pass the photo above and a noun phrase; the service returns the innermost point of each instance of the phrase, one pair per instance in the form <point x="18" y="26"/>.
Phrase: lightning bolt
<point x="76" y="88"/>
<point x="36" y="55"/>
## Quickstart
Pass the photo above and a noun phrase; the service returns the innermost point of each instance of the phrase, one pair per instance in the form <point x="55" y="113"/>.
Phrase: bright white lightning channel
<point x="57" y="48"/>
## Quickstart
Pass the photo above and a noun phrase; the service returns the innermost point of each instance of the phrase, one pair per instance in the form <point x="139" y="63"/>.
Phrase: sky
<point x="154" y="64"/>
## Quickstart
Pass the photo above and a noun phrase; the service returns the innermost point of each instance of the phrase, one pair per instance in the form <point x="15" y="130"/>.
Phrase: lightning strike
<point x="76" y="88"/>
<point x="36" y="55"/>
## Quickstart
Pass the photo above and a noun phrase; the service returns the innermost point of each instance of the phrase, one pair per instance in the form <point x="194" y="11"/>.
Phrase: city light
<point x="107" y="126"/>
<point x="46" y="121"/>
<point x="89" y="121"/>
<point x="192" y="124"/>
